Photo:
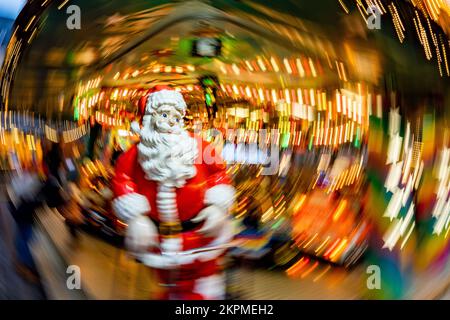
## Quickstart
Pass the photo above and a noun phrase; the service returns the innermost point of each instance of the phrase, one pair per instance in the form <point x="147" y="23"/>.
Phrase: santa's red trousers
<point x="195" y="281"/>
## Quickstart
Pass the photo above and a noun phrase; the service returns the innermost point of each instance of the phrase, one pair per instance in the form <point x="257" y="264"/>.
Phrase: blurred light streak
<point x="344" y="7"/>
<point x="235" y="69"/>
<point x="322" y="274"/>
<point x="310" y="241"/>
<point x="408" y="235"/>
<point x="301" y="71"/>
<point x="319" y="248"/>
<point x="249" y="66"/>
<point x="274" y="64"/>
<point x="340" y="209"/>
<point x="331" y="248"/>
<point x="62" y="4"/>
<point x="261" y="64"/>
<point x="313" y="69"/>
<point x="29" y="23"/>
<point x="297" y="267"/>
<point x="287" y="66"/>
<point x="338" y="250"/>
<point x="311" y="269"/>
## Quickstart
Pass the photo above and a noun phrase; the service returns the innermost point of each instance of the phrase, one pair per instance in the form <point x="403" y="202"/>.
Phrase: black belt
<point x="174" y="228"/>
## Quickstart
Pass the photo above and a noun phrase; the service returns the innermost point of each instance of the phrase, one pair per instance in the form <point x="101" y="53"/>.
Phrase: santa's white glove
<point x="129" y="206"/>
<point x="141" y="235"/>
<point x="214" y="218"/>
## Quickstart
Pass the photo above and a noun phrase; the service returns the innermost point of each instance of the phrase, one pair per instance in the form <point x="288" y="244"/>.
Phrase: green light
<point x="184" y="47"/>
<point x="76" y="111"/>
<point x="285" y="140"/>
<point x="278" y="223"/>
<point x="208" y="99"/>
<point x="208" y="82"/>
<point x="357" y="139"/>
<point x="310" y="143"/>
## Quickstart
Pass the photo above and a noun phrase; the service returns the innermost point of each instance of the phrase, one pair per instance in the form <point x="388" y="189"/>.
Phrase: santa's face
<point x="167" y="119"/>
<point x="166" y="151"/>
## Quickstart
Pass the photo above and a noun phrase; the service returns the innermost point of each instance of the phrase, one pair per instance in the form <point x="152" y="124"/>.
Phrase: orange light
<point x="311" y="269"/>
<point x="301" y="71"/>
<point x="300" y="203"/>
<point x="299" y="96"/>
<point x="340" y="209"/>
<point x="274" y="96"/>
<point x="122" y="223"/>
<point x="330" y="249"/>
<point x="223" y="69"/>
<point x="319" y="248"/>
<point x="322" y="274"/>
<point x="287" y="97"/>
<point x="313" y="69"/>
<point x="274" y="64"/>
<point x="339" y="249"/>
<point x="312" y="97"/>
<point x="287" y="66"/>
<point x="249" y="66"/>
<point x="236" y="69"/>
<point x="248" y="92"/>
<point x="310" y="241"/>
<point x="261" y="64"/>
<point x="297" y="267"/>
<point x="261" y="94"/>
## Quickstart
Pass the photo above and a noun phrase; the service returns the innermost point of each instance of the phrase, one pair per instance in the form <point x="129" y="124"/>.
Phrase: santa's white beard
<point x="167" y="158"/>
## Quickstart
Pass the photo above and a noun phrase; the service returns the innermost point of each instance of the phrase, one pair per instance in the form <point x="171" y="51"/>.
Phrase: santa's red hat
<point x="155" y="97"/>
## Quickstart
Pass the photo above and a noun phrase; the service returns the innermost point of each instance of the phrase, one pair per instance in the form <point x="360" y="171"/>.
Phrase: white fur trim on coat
<point x="171" y="244"/>
<point x="221" y="195"/>
<point x="130" y="206"/>
<point x="170" y="260"/>
<point x="211" y="288"/>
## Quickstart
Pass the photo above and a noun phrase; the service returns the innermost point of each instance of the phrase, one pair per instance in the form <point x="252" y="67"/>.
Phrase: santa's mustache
<point x="178" y="146"/>
<point x="171" y="153"/>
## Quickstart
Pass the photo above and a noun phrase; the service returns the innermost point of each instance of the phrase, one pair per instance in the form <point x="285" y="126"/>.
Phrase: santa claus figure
<point x="174" y="201"/>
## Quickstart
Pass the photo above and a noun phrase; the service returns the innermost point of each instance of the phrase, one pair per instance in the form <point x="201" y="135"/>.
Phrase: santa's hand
<point x="141" y="235"/>
<point x="131" y="205"/>
<point x="214" y="218"/>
